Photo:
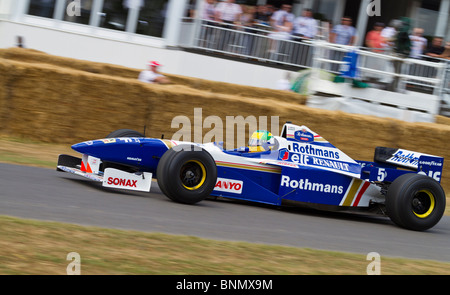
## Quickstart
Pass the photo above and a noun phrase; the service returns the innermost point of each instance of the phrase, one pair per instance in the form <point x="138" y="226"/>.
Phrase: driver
<point x="259" y="141"/>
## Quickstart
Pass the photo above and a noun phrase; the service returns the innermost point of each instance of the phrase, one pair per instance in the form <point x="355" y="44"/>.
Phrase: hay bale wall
<point x="54" y="99"/>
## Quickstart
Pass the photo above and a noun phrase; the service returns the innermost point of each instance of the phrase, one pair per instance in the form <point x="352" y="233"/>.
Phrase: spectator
<point x="209" y="10"/>
<point x="262" y="26"/>
<point x="389" y="33"/>
<point x="208" y="16"/>
<point x="152" y="75"/>
<point x="436" y="48"/>
<point x="402" y="48"/>
<point x="248" y="16"/>
<point x="305" y="26"/>
<point x="247" y="22"/>
<point x="342" y="34"/>
<point x="270" y="10"/>
<point x="281" y="23"/>
<point x="262" y="15"/>
<point x="345" y="33"/>
<point x="282" y="29"/>
<point x="20" y="42"/>
<point x="418" y="43"/>
<point x="374" y="40"/>
<point x="282" y="18"/>
<point x="284" y="83"/>
<point x="446" y="53"/>
<point x="402" y="41"/>
<point x="228" y="11"/>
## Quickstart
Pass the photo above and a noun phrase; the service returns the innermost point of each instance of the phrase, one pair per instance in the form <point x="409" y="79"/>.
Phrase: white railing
<point x="445" y="95"/>
<point x="259" y="43"/>
<point x="392" y="72"/>
<point x="395" y="89"/>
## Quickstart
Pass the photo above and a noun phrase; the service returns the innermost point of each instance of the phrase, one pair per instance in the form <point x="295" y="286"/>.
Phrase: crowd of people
<point x="397" y="37"/>
<point x="284" y="25"/>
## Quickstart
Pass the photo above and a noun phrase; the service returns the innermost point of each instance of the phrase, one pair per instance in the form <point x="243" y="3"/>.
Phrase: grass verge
<point x="25" y="152"/>
<point x="38" y="247"/>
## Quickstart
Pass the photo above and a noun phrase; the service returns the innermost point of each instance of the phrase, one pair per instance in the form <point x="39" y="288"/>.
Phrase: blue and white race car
<point x="297" y="168"/>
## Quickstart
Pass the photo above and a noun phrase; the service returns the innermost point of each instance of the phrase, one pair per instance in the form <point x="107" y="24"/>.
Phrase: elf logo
<point x="229" y="185"/>
<point x="283" y="155"/>
<point x="122" y="182"/>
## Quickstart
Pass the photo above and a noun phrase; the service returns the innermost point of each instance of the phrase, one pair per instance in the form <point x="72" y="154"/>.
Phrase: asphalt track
<point x="45" y="194"/>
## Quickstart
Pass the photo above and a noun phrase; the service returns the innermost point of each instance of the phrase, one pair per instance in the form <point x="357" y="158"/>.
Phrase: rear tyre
<point x="186" y="174"/>
<point x="415" y="202"/>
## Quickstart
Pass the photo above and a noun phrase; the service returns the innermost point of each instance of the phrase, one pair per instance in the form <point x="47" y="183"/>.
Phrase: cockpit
<point x="261" y="142"/>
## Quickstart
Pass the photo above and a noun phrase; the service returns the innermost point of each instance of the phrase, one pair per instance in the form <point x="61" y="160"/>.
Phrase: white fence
<point x="394" y="73"/>
<point x="395" y="91"/>
<point x="445" y="95"/>
<point x="259" y="43"/>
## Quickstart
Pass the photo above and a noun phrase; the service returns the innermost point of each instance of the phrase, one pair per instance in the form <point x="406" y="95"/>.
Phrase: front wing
<point x="88" y="167"/>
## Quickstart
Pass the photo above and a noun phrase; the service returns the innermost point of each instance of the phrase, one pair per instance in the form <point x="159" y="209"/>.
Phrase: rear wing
<point x="421" y="163"/>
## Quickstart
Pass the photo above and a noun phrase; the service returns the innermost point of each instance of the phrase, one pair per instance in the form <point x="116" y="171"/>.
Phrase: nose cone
<point x="95" y="147"/>
<point x="99" y="147"/>
<point x="105" y="148"/>
<point x="83" y="147"/>
<point x="119" y="150"/>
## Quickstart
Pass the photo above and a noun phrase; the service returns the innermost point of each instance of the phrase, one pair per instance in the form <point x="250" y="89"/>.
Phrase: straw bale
<point x="37" y="57"/>
<point x="54" y="99"/>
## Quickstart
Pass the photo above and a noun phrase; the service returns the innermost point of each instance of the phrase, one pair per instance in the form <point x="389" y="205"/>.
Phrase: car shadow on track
<point x="155" y="193"/>
<point x="98" y="186"/>
<point x="312" y="212"/>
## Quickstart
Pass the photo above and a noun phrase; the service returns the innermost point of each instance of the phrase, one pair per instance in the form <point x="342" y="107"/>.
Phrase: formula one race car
<point x="297" y="168"/>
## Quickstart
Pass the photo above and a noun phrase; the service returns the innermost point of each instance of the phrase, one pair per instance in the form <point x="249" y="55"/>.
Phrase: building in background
<point x="131" y="32"/>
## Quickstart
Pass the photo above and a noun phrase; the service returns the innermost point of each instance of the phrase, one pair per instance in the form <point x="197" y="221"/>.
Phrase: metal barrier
<point x="445" y="95"/>
<point x="410" y="95"/>
<point x="389" y="71"/>
<point x="258" y="43"/>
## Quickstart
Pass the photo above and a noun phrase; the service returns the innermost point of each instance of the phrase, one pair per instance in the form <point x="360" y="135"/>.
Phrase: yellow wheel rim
<point x="423" y="203"/>
<point x="192" y="174"/>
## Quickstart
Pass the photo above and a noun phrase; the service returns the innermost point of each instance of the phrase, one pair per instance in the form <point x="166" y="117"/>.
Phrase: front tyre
<point x="125" y="133"/>
<point x="186" y="174"/>
<point x="121" y="133"/>
<point x="415" y="201"/>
